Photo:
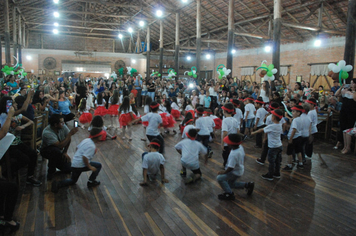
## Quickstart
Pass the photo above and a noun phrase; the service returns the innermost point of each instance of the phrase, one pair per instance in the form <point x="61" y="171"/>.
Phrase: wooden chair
<point x="334" y="127"/>
<point x="323" y="127"/>
<point x="28" y="136"/>
<point x="39" y="125"/>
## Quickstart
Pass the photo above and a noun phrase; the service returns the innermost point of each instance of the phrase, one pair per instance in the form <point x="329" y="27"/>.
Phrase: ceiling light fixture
<point x="317" y="43"/>
<point x="29" y="58"/>
<point x="130" y="30"/>
<point x="141" y="23"/>
<point x="133" y="61"/>
<point x="56" y="1"/>
<point x="120" y="36"/>
<point x="55" y="31"/>
<point x="56" y="14"/>
<point x="233" y="51"/>
<point x="159" y="13"/>
<point x="208" y="56"/>
<point x="56" y="24"/>
<point x="268" y="48"/>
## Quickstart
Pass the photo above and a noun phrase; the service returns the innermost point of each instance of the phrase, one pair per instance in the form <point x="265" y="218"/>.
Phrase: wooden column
<point x="14" y="31"/>
<point x="349" y="55"/>
<point x="19" y="40"/>
<point x="198" y="42"/>
<point x="138" y="42"/>
<point x="176" y="55"/>
<point x="7" y="32"/>
<point x="0" y="57"/>
<point x="277" y="22"/>
<point x="161" y="47"/>
<point x="24" y="35"/>
<point x="148" y="69"/>
<point x="230" y="36"/>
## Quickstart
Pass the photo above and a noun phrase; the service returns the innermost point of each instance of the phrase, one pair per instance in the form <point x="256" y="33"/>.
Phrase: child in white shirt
<point x="229" y="126"/>
<point x="190" y="149"/>
<point x="202" y="125"/>
<point x="259" y="120"/>
<point x="249" y="116"/>
<point x="313" y="115"/>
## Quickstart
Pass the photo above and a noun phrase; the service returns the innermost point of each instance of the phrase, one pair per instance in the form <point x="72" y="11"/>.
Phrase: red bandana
<point x="229" y="142"/>
<point x="279" y="116"/>
<point x="154" y="143"/>
<point x="190" y="137"/>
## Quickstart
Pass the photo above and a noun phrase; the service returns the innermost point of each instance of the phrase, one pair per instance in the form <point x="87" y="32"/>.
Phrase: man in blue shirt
<point x="172" y="93"/>
<point x="336" y="86"/>
<point x="138" y="87"/>
<point x="73" y="82"/>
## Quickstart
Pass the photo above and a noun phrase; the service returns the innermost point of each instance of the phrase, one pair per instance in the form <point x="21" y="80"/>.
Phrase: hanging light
<point x="56" y="24"/>
<point x="208" y="56"/>
<point x="233" y="51"/>
<point x="184" y="1"/>
<point x="56" y="1"/>
<point x="268" y="48"/>
<point x="141" y="23"/>
<point x="55" y="31"/>
<point x="56" y="14"/>
<point x="189" y="58"/>
<point x="130" y="30"/>
<point x="317" y="43"/>
<point x="133" y="61"/>
<point x="120" y="36"/>
<point x="159" y="13"/>
<point x="29" y="58"/>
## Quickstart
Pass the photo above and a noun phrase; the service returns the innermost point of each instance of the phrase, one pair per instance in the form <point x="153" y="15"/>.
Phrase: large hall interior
<point x="141" y="117"/>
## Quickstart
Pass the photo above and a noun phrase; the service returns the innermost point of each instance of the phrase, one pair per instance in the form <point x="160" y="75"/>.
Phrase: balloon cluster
<point x="192" y="72"/>
<point x="339" y="71"/>
<point x="156" y="74"/>
<point x="267" y="71"/>
<point x="222" y="72"/>
<point x="12" y="71"/>
<point x="122" y="71"/>
<point x="114" y="76"/>
<point x="171" y="73"/>
<point x="131" y="71"/>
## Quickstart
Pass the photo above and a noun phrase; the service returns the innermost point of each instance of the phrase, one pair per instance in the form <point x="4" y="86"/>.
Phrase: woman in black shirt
<point x="151" y="88"/>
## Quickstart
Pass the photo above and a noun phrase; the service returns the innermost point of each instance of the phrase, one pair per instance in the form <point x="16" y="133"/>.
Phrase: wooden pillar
<point x="14" y="31"/>
<point x="161" y="47"/>
<point x="176" y="55"/>
<point x="0" y="57"/>
<point x="19" y="40"/>
<point x="148" y="69"/>
<point x="7" y="33"/>
<point x="349" y="55"/>
<point x="320" y="15"/>
<point x="277" y="22"/>
<point x="230" y="36"/>
<point x="24" y="35"/>
<point x="198" y="42"/>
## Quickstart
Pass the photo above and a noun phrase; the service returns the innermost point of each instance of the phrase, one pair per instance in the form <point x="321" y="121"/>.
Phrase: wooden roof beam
<point x="313" y="28"/>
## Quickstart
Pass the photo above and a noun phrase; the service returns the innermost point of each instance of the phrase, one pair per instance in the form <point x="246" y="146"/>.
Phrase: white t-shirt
<point x="146" y="109"/>
<point x="100" y="105"/>
<point x="111" y="98"/>
<point x="162" y="108"/>
<point x="126" y="111"/>
<point x="261" y="113"/>
<point x="85" y="148"/>
<point x="212" y="92"/>
<point x="190" y="153"/>
<point x="152" y="161"/>
<point x="263" y="95"/>
<point x="296" y="124"/>
<point x="121" y="98"/>
<point x="154" y="120"/>
<point x="236" y="161"/>
<point x="204" y="124"/>
<point x="314" y="119"/>
<point x="230" y="125"/>
<point x="251" y="108"/>
<point x="306" y="122"/>
<point x="189" y="107"/>
<point x="238" y="116"/>
<point x="186" y="130"/>
<point x="201" y="99"/>
<point x="273" y="132"/>
<point x="269" y="121"/>
<point x="174" y="106"/>
<point x="211" y="127"/>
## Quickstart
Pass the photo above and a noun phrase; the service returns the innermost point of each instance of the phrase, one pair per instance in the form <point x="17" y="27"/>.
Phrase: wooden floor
<point x="319" y="200"/>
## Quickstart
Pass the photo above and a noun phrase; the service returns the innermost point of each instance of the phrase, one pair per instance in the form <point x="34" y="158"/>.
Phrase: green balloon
<point x="220" y="76"/>
<point x="190" y="73"/>
<point x="6" y="67"/>
<point x="269" y="73"/>
<point x="264" y="65"/>
<point x="24" y="74"/>
<point x="11" y="68"/>
<point x="344" y="75"/>
<point x="195" y="76"/>
<point x="159" y="75"/>
<point x="271" y="67"/>
<point x="16" y="73"/>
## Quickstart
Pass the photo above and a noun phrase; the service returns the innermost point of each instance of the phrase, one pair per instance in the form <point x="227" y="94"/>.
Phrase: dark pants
<point x="8" y="198"/>
<point x="133" y="106"/>
<point x="160" y="138"/>
<point x="309" y="147"/>
<point x="55" y="159"/>
<point x="259" y="137"/>
<point x="205" y="140"/>
<point x="264" y="151"/>
<point x="213" y="103"/>
<point x="304" y="143"/>
<point x="22" y="155"/>
<point x="76" y="172"/>
<point x="68" y="117"/>
<point x="274" y="159"/>
<point x="226" y="154"/>
<point x="138" y="99"/>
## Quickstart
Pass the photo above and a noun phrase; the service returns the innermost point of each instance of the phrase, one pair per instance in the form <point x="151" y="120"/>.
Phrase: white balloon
<point x="274" y="71"/>
<point x="336" y="69"/>
<point x="331" y="66"/>
<point x="347" y="68"/>
<point x="342" y="63"/>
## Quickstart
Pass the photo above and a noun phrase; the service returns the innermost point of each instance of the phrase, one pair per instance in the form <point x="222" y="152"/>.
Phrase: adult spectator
<point x="232" y="84"/>
<point x="56" y="138"/>
<point x="41" y="99"/>
<point x="80" y="89"/>
<point x="73" y="81"/>
<point x="334" y="105"/>
<point x="29" y="112"/>
<point x="336" y="86"/>
<point x="248" y="87"/>
<point x="151" y="88"/>
<point x="265" y="91"/>
<point x="12" y="84"/>
<point x="64" y="107"/>
<point x="8" y="191"/>
<point x="138" y="87"/>
<point x="213" y="92"/>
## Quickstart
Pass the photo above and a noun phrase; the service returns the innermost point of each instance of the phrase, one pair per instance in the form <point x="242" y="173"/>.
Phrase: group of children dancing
<point x="237" y="119"/>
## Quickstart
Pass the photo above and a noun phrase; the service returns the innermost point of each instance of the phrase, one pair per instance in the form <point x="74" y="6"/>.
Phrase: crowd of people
<point x="271" y="111"/>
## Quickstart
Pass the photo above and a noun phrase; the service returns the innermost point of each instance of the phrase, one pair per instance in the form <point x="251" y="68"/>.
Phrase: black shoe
<point x="55" y="187"/>
<point x="249" y="187"/>
<point x="93" y="183"/>
<point x="33" y="181"/>
<point x="244" y="137"/>
<point x="267" y="177"/>
<point x="183" y="173"/>
<point x="174" y="132"/>
<point x="226" y="196"/>
<point x="300" y="166"/>
<point x="287" y="168"/>
<point x="210" y="154"/>
<point x="295" y="162"/>
<point x="259" y="161"/>
<point x="276" y="175"/>
<point x="13" y="228"/>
